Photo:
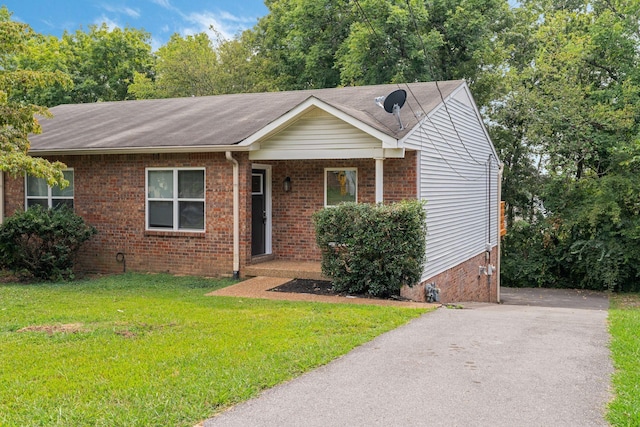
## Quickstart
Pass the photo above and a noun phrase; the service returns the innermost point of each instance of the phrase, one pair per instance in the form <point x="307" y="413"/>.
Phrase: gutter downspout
<point x="498" y="256"/>
<point x="236" y="215"/>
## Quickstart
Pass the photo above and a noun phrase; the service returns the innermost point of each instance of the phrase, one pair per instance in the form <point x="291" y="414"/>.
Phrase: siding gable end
<point x="318" y="134"/>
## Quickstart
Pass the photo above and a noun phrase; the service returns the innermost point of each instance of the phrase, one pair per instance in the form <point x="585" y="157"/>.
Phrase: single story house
<point x="213" y="185"/>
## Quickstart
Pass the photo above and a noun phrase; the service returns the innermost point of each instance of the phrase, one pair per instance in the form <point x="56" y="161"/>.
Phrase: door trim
<point x="268" y="206"/>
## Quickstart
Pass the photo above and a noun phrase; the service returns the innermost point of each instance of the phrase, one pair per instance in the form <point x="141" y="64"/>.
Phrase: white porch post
<point x="379" y="180"/>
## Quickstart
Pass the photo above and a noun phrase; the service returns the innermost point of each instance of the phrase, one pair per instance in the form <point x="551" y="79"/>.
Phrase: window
<point x="40" y="193"/>
<point x="340" y="186"/>
<point x="175" y="199"/>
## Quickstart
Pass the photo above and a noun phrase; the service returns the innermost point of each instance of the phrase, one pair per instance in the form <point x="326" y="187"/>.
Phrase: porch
<point x="286" y="269"/>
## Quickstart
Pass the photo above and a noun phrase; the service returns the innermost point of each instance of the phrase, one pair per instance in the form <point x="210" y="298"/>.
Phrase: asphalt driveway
<point x="539" y="359"/>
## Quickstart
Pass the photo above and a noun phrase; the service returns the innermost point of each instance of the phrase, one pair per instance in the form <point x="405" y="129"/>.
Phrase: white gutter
<point x="142" y="150"/>
<point x="236" y="215"/>
<point x="499" y="237"/>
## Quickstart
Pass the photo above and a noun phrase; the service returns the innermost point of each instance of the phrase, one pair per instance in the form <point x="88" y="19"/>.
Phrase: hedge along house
<point x="213" y="185"/>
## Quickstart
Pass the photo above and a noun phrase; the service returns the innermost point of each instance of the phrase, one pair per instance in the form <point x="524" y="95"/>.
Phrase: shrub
<point x="374" y="249"/>
<point x="42" y="243"/>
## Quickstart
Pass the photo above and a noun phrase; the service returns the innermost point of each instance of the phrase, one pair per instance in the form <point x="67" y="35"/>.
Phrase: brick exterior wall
<point x="293" y="231"/>
<point x="460" y="283"/>
<point x="109" y="194"/>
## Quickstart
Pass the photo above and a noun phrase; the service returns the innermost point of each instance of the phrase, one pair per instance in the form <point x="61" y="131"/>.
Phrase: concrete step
<point x="294" y="270"/>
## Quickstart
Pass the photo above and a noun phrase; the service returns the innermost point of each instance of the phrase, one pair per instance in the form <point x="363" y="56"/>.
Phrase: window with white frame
<point x="175" y="199"/>
<point x="38" y="192"/>
<point x="340" y="186"/>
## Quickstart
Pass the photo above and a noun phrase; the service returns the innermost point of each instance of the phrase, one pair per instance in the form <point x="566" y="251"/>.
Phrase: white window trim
<point x="326" y="171"/>
<point x="49" y="197"/>
<point x="175" y="199"/>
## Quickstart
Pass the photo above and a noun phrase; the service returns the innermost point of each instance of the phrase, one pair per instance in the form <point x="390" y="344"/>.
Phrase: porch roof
<point x="223" y="122"/>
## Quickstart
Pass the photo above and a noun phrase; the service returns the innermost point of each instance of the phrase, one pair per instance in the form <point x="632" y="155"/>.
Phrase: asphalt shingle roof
<point x="221" y="120"/>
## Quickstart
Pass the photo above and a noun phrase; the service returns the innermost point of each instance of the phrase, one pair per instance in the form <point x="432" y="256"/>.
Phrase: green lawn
<point x="145" y="350"/>
<point x="624" y="326"/>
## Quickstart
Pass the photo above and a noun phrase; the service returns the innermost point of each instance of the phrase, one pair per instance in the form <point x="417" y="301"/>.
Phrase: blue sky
<point x="161" y="18"/>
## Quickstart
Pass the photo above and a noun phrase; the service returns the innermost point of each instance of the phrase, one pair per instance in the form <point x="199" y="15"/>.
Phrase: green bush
<point x="589" y="237"/>
<point x="42" y="243"/>
<point x="374" y="249"/>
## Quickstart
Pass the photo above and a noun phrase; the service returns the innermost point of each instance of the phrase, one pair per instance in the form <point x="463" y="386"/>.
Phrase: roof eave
<point x="141" y="150"/>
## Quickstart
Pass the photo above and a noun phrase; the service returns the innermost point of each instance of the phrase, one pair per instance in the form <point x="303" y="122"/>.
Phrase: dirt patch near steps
<point x="67" y="328"/>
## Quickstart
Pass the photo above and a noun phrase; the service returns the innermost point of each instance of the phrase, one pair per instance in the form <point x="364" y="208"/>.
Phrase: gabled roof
<point x="228" y="122"/>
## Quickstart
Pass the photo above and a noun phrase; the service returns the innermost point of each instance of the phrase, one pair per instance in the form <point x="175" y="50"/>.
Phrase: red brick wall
<point x="110" y="195"/>
<point x="460" y="283"/>
<point x="293" y="232"/>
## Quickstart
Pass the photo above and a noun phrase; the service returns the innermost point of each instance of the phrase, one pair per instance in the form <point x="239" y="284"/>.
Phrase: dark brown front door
<point x="258" y="212"/>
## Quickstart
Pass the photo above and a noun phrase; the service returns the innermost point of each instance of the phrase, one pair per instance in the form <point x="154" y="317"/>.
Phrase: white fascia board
<point x="141" y="150"/>
<point x="311" y="102"/>
<point x="376" y="153"/>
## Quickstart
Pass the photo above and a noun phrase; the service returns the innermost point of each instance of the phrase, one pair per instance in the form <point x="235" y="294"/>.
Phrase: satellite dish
<point x="393" y="102"/>
<point x="395" y="99"/>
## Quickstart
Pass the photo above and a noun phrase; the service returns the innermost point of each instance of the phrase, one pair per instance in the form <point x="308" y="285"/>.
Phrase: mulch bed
<point x="306" y="286"/>
<point x="322" y="287"/>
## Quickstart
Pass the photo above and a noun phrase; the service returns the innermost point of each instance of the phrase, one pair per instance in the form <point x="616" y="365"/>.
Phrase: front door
<point x="258" y="212"/>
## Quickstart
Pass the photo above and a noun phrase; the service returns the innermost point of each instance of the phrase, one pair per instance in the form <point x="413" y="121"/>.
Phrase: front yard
<point x="141" y="350"/>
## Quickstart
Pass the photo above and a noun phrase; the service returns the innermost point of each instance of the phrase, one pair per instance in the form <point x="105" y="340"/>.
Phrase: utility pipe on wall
<point x="236" y="215"/>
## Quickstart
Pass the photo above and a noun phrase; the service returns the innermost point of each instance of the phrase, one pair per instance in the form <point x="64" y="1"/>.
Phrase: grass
<point x="624" y="326"/>
<point x="151" y="350"/>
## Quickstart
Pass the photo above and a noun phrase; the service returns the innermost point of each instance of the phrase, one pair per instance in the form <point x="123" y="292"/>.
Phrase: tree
<point x="314" y="44"/>
<point x="197" y="66"/>
<point x="187" y="66"/>
<point x="298" y="41"/>
<point x="100" y="62"/>
<point x="573" y="107"/>
<point x="17" y="118"/>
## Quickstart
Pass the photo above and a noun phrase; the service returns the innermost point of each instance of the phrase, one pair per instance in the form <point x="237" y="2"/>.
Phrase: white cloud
<point x="124" y="10"/>
<point x="111" y="24"/>
<point x="226" y="16"/>
<point x="164" y="3"/>
<point x="226" y="24"/>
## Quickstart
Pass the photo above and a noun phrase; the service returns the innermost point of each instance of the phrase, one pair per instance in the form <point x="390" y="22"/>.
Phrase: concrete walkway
<point x="521" y="363"/>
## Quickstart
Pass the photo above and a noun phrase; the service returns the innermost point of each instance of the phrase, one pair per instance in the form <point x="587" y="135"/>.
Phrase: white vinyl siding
<point x="320" y="135"/>
<point x="453" y="179"/>
<point x="318" y="129"/>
